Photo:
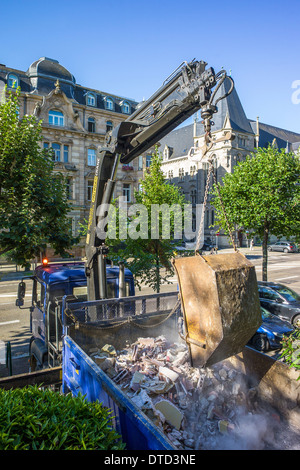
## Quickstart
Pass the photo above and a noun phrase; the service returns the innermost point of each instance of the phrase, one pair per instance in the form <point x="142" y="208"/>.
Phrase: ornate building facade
<point x="183" y="163"/>
<point x="75" y="120"/>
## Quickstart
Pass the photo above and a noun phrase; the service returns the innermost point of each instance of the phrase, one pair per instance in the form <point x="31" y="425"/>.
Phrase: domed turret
<point x="44" y="73"/>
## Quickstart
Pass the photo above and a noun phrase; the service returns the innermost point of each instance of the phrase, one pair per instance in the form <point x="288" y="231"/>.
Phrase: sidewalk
<point x="256" y="250"/>
<point x="13" y="275"/>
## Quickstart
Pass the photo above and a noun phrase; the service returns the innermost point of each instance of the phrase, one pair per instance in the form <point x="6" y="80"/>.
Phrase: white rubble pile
<point x="211" y="408"/>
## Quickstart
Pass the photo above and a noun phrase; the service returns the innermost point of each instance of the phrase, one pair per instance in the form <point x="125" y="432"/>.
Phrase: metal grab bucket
<point x="220" y="303"/>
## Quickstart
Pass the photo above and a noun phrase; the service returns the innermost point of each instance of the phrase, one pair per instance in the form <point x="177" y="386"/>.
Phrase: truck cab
<point x="51" y="283"/>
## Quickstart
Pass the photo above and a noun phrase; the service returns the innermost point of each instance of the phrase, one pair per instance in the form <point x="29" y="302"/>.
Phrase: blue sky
<point x="128" y="47"/>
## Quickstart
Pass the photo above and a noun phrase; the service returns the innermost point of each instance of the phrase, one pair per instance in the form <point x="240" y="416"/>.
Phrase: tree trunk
<point x="265" y="252"/>
<point x="157" y="274"/>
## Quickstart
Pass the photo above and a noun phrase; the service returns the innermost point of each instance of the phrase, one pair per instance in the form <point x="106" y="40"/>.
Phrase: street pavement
<point x="15" y="322"/>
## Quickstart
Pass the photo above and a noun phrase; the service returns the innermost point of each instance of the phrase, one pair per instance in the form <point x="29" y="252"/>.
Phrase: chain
<point x="204" y="207"/>
<point x="211" y="171"/>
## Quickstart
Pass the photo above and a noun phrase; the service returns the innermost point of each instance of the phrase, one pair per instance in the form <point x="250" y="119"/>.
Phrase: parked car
<point x="207" y="247"/>
<point x="269" y="335"/>
<point x="281" y="301"/>
<point x="286" y="247"/>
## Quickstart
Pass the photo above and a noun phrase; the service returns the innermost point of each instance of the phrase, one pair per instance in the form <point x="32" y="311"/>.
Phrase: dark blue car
<point x="270" y="333"/>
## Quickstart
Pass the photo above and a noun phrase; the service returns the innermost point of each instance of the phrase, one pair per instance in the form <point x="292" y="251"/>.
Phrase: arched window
<point x="12" y="81"/>
<point x="91" y="124"/>
<point x="91" y="99"/>
<point x="56" y="118"/>
<point x="109" y="104"/>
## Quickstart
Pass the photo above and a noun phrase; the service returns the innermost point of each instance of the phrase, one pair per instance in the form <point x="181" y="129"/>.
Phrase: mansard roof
<point x="268" y="133"/>
<point x="42" y="74"/>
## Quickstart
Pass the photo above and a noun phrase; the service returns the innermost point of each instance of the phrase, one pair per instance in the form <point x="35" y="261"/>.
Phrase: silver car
<point x="286" y="247"/>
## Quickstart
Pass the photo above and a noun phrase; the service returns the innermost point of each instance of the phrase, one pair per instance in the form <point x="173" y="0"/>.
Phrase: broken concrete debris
<point x="213" y="408"/>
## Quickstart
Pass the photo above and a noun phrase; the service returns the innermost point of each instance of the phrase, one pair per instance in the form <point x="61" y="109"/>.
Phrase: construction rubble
<point x="197" y="409"/>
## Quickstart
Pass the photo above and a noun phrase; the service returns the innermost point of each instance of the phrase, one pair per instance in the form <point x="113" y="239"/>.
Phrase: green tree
<point x="149" y="246"/>
<point x="262" y="195"/>
<point x="33" y="199"/>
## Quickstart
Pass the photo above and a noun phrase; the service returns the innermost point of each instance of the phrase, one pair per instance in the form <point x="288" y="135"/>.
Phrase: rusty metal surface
<point x="43" y="377"/>
<point x="220" y="304"/>
<point x="277" y="383"/>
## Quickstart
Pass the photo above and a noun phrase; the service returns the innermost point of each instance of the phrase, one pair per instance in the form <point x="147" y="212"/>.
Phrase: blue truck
<point x="50" y="282"/>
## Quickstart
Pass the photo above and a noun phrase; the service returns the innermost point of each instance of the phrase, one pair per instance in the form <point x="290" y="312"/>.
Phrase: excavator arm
<point x="191" y="87"/>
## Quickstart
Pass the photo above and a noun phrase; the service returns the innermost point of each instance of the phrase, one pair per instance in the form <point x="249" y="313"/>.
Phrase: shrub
<point x="35" y="419"/>
<point x="290" y="351"/>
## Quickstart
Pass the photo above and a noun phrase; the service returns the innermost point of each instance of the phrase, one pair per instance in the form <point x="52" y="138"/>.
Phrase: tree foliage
<point x="262" y="196"/>
<point x="146" y="256"/>
<point x="33" y="198"/>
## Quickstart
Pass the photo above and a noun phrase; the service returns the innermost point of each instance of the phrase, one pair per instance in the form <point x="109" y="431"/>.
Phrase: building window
<point x="70" y="188"/>
<point x="56" y="156"/>
<point x="12" y="81"/>
<point x="66" y="153"/>
<point x="140" y="162"/>
<point x="109" y="104"/>
<point x="242" y="142"/>
<point x="90" y="99"/>
<point x="109" y="126"/>
<point x="148" y="160"/>
<point x="56" y="152"/>
<point x="193" y="171"/>
<point x="125" y="107"/>
<point x="193" y="196"/>
<point x="91" y="125"/>
<point x="170" y="174"/>
<point x="56" y="118"/>
<point x="89" y="190"/>
<point x="127" y="192"/>
<point x="91" y="157"/>
<point x="181" y="174"/>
